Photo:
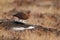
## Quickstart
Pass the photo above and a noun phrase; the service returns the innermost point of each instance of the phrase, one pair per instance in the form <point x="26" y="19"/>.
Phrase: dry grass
<point x="34" y="34"/>
<point x="43" y="12"/>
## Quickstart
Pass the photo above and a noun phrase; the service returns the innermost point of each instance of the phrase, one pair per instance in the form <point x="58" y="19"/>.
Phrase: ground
<point x="45" y="13"/>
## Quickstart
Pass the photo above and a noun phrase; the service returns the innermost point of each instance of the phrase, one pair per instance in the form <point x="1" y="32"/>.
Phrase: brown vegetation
<point x="45" y="13"/>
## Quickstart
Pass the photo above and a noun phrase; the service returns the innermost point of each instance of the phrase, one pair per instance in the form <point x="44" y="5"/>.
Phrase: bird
<point x="22" y="15"/>
<point x="16" y="26"/>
